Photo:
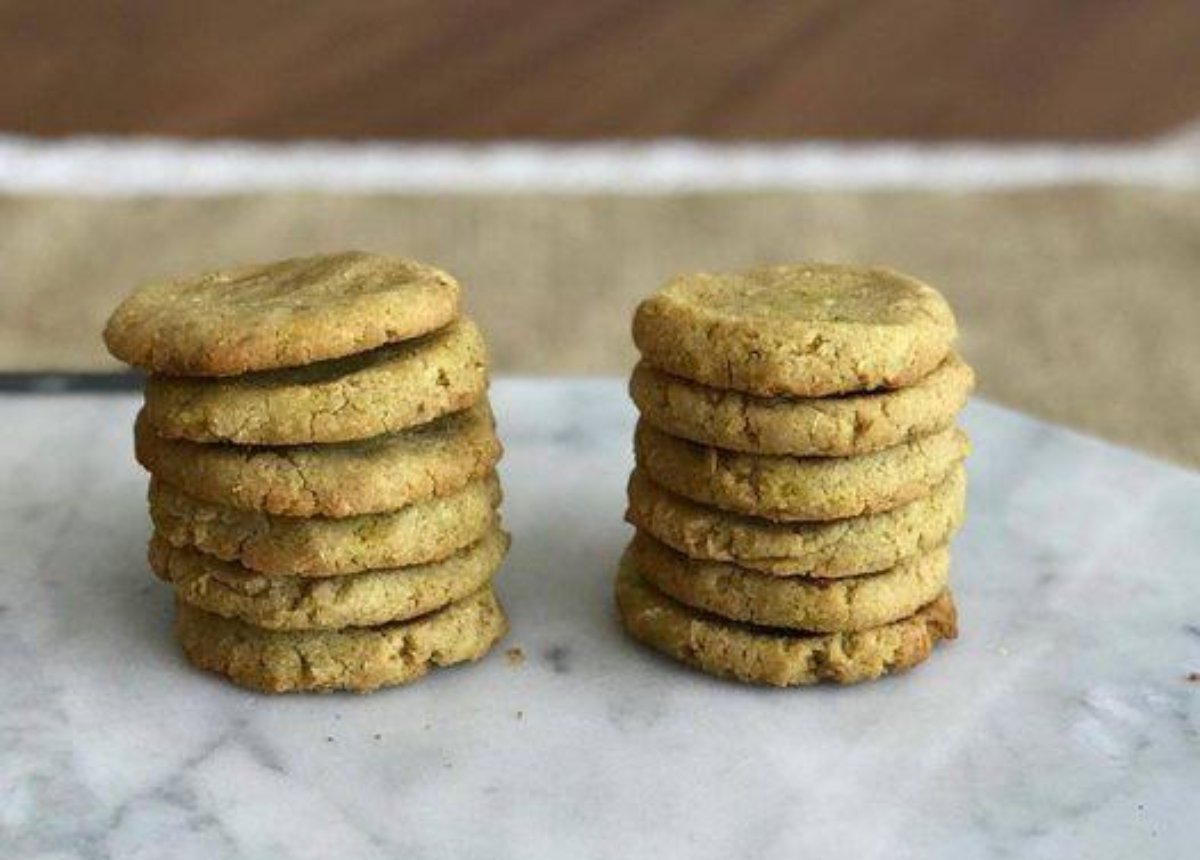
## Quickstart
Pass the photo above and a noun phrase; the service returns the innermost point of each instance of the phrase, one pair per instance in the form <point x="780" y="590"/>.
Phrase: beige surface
<point x="1080" y="305"/>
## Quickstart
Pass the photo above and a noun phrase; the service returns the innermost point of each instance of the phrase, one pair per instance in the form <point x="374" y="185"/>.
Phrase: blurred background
<point x="1037" y="160"/>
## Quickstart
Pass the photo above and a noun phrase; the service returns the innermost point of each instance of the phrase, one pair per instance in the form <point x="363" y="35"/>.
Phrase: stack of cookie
<point x="322" y="458"/>
<point x="798" y="473"/>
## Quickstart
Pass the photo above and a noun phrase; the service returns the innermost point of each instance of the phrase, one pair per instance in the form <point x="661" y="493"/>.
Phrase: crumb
<point x="378" y="737"/>
<point x="328" y="739"/>
<point x="1192" y="677"/>
<point x="520" y="715"/>
<point x="515" y="656"/>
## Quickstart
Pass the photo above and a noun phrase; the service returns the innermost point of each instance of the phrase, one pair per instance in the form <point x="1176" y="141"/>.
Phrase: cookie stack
<point x="322" y="458"/>
<point x="798" y="473"/>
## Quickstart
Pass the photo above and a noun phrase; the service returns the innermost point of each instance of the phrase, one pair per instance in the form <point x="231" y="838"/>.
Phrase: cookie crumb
<point x="1192" y="677"/>
<point x="515" y="656"/>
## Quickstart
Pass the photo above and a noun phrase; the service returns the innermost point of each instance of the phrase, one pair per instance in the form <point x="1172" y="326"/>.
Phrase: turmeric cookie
<point x="807" y="330"/>
<point x="354" y="600"/>
<point x="283" y="314"/>
<point x="354" y="658"/>
<point x="387" y="389"/>
<point x="813" y="427"/>
<point x="369" y="476"/>
<point x="324" y="546"/>
<point x="782" y="658"/>
<point x="799" y="488"/>
<point x="834" y="548"/>
<point x="794" y="602"/>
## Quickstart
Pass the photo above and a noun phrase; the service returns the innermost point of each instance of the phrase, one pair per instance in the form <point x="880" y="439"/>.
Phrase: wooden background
<point x="578" y="69"/>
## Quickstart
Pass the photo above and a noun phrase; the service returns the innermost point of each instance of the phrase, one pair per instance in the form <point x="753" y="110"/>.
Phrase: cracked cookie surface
<point x="808" y="330"/>
<point x="826" y="426"/>
<point x="794" y="602"/>
<point x="361" y="659"/>
<point x="385" y="390"/>
<point x="383" y="473"/>
<point x="327" y="546"/>
<point x="355" y="600"/>
<point x="764" y="655"/>
<point x="799" y="488"/>
<point x="833" y="548"/>
<point x="282" y="314"/>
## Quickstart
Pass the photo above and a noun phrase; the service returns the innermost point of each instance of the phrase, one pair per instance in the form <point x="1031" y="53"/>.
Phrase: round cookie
<point x="385" y="390"/>
<point x="799" y="488"/>
<point x="813" y="427"/>
<point x="796" y="602"/>
<point x="356" y="658"/>
<point x="761" y="655"/>
<point x="834" y="548"/>
<point x="323" y="546"/>
<point x="807" y="330"/>
<point x="383" y="473"/>
<point x="283" y="314"/>
<point x="355" y="600"/>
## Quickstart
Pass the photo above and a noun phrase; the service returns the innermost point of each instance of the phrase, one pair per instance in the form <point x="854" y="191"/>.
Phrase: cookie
<point x="323" y="546"/>
<point x="813" y="427"/>
<point x="782" y="658"/>
<point x="809" y="330"/>
<point x="795" y="602"/>
<point x="298" y="603"/>
<point x="283" y="314"/>
<point x="833" y="548"/>
<point x="356" y="658"/>
<point x="369" y="476"/>
<point x="385" y="390"/>
<point x="799" y="488"/>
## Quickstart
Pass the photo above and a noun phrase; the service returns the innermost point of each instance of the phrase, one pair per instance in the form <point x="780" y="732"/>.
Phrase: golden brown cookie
<point x="356" y="658"/>
<point x="782" y="658"/>
<point x="808" y="330"/>
<point x="325" y="546"/>
<point x="833" y="548"/>
<point x="297" y="603"/>
<point x="283" y="314"/>
<point x="812" y="427"/>
<point x="383" y="473"/>
<point x="799" y="488"/>
<point x="795" y="602"/>
<point x="385" y="390"/>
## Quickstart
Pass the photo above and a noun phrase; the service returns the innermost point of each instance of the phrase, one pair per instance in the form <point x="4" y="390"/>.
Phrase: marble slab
<point x="1061" y="724"/>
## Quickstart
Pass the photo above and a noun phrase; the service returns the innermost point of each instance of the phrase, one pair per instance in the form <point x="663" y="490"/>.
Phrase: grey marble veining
<point x="1061" y="723"/>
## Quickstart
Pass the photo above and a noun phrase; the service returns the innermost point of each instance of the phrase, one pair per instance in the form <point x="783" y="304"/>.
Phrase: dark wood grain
<point x="1100" y="69"/>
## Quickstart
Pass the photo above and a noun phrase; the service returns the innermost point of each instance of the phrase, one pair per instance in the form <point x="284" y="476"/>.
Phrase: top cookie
<point x="284" y="314"/>
<point x="809" y="330"/>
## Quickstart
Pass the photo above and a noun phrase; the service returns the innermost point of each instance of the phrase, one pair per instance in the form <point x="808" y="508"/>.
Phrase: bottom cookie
<point x="765" y="655"/>
<point x="358" y="658"/>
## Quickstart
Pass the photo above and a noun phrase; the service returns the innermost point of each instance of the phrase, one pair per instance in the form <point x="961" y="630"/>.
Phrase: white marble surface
<point x="1061" y="724"/>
